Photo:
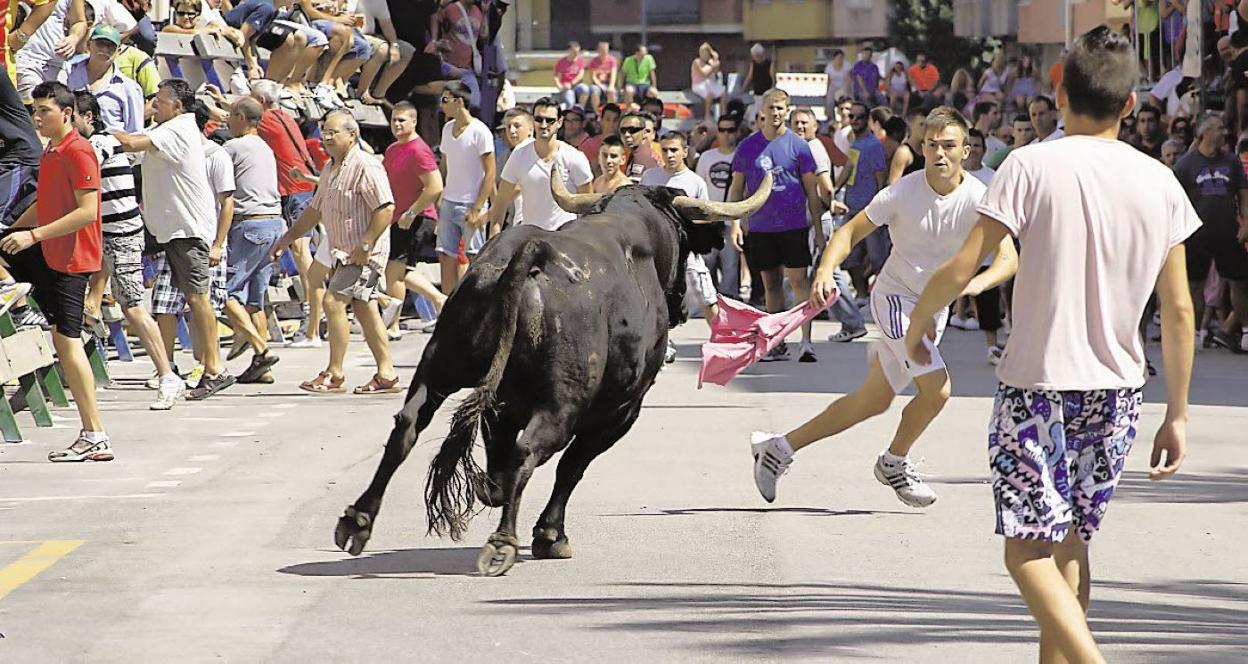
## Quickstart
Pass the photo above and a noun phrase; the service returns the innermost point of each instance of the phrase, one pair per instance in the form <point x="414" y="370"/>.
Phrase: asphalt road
<point x="210" y="537"/>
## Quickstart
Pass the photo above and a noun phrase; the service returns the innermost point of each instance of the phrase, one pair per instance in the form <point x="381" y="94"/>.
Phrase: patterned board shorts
<point x="1056" y="458"/>
<point x="168" y="300"/>
<point x="123" y="257"/>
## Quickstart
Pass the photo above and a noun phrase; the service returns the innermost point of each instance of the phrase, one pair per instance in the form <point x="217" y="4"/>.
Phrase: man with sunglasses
<point x="715" y="167"/>
<point x="863" y="178"/>
<point x="528" y="172"/>
<point x="637" y="133"/>
<point x="468" y="164"/>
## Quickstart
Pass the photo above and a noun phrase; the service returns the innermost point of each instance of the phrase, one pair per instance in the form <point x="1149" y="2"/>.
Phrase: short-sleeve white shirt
<point x="464" y="173"/>
<point x="532" y="177"/>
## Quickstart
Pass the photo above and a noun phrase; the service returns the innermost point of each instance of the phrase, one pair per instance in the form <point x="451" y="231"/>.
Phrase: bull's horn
<point x="700" y="210"/>
<point x="569" y="202"/>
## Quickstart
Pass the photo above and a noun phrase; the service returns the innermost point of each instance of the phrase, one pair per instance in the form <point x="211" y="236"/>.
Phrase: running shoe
<point x="669" y="356"/>
<point x="193" y="378"/>
<point x="904" y="479"/>
<point x="168" y="393"/>
<point x="778" y="354"/>
<point x="28" y="317"/>
<point x="994" y="355"/>
<point x="845" y="335"/>
<point x="772" y="459"/>
<point x="304" y="341"/>
<point x="10" y="293"/>
<point x="808" y="354"/>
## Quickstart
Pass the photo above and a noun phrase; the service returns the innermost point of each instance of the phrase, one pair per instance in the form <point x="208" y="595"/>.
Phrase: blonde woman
<point x="704" y="72"/>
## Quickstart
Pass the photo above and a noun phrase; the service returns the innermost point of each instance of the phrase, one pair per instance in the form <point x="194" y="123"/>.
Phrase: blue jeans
<point x="728" y="263"/>
<point x="249" y="269"/>
<point x="256" y="13"/>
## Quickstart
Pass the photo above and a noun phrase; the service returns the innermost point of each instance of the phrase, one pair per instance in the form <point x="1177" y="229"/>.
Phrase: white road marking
<point x="163" y="484"/>
<point x="33" y="499"/>
<point x="225" y="443"/>
<point x="205" y="457"/>
<point x="285" y="405"/>
<point x="182" y="471"/>
<point x="271" y="414"/>
<point x="238" y="434"/>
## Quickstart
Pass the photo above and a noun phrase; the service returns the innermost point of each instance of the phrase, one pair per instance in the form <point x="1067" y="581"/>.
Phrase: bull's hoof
<point x="353" y="531"/>
<point x="487" y="491"/>
<point x="497" y="556"/>
<point x="544" y="549"/>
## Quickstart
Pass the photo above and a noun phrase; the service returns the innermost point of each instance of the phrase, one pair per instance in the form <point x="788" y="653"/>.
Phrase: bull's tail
<point x="450" y="488"/>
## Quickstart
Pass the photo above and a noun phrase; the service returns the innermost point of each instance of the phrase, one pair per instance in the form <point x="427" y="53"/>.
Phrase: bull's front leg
<point x="355" y="526"/>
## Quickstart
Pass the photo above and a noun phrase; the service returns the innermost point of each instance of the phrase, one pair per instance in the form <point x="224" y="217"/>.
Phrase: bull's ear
<point x="701" y="211"/>
<point x="567" y="201"/>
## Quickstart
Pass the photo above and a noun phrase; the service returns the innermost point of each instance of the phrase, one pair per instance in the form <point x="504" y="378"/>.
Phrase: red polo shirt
<point x="63" y="169"/>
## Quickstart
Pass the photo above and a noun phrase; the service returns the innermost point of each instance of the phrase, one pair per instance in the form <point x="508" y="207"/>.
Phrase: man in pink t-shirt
<point x="416" y="182"/>
<point x="569" y="76"/>
<point x="1094" y="245"/>
<point x="602" y="69"/>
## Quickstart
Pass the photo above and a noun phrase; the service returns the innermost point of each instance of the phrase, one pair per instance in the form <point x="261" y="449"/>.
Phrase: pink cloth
<point x="741" y="335"/>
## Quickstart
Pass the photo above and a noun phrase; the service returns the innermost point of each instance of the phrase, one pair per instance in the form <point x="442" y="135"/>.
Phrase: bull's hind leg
<point x="500" y="450"/>
<point x="545" y="434"/>
<point x="550" y="540"/>
<point x="355" y="526"/>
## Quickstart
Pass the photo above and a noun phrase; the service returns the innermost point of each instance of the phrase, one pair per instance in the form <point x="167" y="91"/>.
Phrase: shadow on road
<point x="756" y="619"/>
<point x="805" y="511"/>
<point x="1228" y="487"/>
<point x="410" y="563"/>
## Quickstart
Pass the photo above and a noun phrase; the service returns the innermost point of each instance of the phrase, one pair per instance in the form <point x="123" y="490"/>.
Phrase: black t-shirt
<point x="917" y="161"/>
<point x="411" y="20"/>
<point x="1213" y="185"/>
<point x="18" y="142"/>
<point x="762" y="82"/>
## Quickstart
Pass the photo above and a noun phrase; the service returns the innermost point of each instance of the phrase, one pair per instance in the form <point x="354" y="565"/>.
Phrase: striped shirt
<point x="119" y="206"/>
<point x="347" y="196"/>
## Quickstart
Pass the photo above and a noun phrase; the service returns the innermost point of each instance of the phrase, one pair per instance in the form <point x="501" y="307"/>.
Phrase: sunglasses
<point x="726" y="130"/>
<point x="186" y="14"/>
<point x="537" y="119"/>
<point x="631" y="130"/>
<point x="857" y="116"/>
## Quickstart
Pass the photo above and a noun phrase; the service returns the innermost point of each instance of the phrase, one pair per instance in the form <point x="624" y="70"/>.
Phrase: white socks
<point x="782" y="444"/>
<point x="891" y="459"/>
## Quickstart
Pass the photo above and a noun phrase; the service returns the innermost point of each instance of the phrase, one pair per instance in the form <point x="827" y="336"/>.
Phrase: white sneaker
<point x="390" y="311"/>
<point x="10" y="293"/>
<point x="192" y="379"/>
<point x="669" y="356"/>
<point x="170" y="391"/>
<point x="971" y="324"/>
<point x="772" y="458"/>
<point x="305" y="342"/>
<point x="957" y="321"/>
<point x="1243" y="342"/>
<point x="994" y="355"/>
<point x="904" y="479"/>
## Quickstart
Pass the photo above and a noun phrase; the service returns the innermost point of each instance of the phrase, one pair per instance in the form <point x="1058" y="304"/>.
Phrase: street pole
<point x="645" y="27"/>
<point x="1070" y="31"/>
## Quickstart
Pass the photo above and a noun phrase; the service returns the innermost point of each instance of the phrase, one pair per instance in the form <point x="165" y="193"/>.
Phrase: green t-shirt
<point x="638" y="73"/>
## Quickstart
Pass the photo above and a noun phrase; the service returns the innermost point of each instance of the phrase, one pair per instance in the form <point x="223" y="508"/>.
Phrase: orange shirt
<point x="1055" y="75"/>
<point x="925" y="78"/>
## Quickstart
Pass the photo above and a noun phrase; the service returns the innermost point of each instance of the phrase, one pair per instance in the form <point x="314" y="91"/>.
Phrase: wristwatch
<point x="366" y="246"/>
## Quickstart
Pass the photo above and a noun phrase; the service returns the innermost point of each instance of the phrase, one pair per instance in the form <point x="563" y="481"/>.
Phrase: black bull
<point x="561" y="335"/>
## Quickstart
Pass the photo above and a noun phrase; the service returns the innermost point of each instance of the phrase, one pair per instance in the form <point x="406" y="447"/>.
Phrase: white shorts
<point x="891" y="308"/>
<point x="698" y="281"/>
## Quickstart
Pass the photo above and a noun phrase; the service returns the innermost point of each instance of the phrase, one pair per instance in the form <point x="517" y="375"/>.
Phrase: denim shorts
<point x="249" y="268"/>
<point x="316" y="38"/>
<point x="452" y="229"/>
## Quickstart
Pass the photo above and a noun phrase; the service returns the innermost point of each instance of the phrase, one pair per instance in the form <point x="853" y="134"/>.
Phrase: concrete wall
<point x="985" y="18"/>
<point x="859" y="19"/>
<point x="787" y="20"/>
<point x="1043" y="21"/>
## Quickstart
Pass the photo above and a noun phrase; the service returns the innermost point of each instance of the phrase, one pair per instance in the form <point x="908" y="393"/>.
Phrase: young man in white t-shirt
<point x="674" y="151"/>
<point x="1094" y="244"/>
<point x="528" y="172"/>
<point x="468" y="171"/>
<point x="715" y="167"/>
<point x="929" y="213"/>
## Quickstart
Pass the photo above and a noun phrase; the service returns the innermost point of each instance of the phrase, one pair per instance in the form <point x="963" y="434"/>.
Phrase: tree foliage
<point x="927" y="26"/>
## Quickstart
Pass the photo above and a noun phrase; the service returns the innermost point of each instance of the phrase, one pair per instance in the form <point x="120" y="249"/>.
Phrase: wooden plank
<point x="23" y="352"/>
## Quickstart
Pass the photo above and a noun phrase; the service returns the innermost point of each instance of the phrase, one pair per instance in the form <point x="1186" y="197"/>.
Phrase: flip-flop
<point x="379" y="385"/>
<point x="324" y="383"/>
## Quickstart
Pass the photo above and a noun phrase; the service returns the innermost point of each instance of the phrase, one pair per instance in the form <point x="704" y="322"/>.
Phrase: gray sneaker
<point x="904" y="479"/>
<point x="778" y="354"/>
<point x="845" y="336"/>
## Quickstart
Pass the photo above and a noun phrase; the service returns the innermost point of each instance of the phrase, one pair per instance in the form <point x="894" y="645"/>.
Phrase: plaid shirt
<point x="347" y="196"/>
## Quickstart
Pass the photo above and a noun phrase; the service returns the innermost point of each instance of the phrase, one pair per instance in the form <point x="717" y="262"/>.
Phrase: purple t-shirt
<point x="868" y="72"/>
<point x="788" y="158"/>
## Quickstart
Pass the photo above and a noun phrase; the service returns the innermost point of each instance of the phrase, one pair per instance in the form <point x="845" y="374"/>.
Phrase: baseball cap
<point x="107" y="33"/>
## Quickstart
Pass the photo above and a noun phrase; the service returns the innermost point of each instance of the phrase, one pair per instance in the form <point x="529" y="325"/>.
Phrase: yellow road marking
<point x="30" y="565"/>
